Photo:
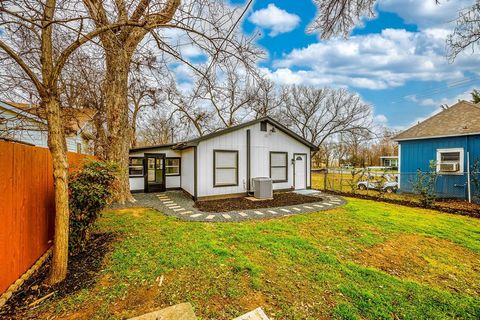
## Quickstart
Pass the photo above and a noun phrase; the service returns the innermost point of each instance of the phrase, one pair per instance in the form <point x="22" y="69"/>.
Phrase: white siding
<point x="72" y="144"/>
<point x="188" y="173"/>
<point x="137" y="183"/>
<point x="170" y="181"/>
<point x="32" y="132"/>
<point x="261" y="145"/>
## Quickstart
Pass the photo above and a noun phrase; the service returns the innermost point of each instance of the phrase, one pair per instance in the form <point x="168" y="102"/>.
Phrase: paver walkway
<point x="178" y="204"/>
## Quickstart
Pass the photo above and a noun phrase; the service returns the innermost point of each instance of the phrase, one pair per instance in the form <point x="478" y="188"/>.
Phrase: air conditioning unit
<point x="449" y="167"/>
<point x="263" y="188"/>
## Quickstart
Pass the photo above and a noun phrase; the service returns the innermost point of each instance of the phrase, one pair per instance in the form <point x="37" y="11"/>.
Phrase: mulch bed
<point x="82" y="273"/>
<point x="445" y="205"/>
<point x="233" y="204"/>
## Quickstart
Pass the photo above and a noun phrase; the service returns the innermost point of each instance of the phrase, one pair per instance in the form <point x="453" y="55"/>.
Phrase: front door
<point x="155" y="173"/>
<point x="300" y="171"/>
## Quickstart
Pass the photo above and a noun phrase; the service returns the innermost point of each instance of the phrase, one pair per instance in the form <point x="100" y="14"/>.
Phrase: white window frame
<point x="168" y="166"/>
<point x="449" y="150"/>
<point x="137" y="166"/>
<point x="215" y="167"/>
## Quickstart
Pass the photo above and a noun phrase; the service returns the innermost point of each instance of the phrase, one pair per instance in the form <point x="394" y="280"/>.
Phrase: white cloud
<point x="380" y="119"/>
<point x="425" y="13"/>
<point x="275" y="19"/>
<point x="373" y="61"/>
<point x="438" y="102"/>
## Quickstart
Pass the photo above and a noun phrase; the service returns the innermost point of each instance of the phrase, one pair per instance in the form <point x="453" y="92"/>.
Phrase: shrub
<point x="425" y="185"/>
<point x="89" y="191"/>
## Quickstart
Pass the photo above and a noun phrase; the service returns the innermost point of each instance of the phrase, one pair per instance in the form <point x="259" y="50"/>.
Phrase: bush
<point x="89" y="191"/>
<point x="425" y="185"/>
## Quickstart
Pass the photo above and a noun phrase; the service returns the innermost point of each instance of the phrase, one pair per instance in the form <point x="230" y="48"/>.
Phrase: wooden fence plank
<point x="27" y="203"/>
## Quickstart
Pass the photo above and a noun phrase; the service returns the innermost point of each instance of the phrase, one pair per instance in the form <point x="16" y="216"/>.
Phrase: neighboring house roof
<point x="194" y="142"/>
<point x="463" y="118"/>
<point x="75" y="119"/>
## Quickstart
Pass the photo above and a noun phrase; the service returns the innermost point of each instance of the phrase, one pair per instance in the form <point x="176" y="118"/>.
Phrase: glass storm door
<point x="155" y="173"/>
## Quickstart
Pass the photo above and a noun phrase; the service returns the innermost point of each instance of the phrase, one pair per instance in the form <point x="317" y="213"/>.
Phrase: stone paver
<point x="180" y="205"/>
<point x="257" y="314"/>
<point x="182" y="311"/>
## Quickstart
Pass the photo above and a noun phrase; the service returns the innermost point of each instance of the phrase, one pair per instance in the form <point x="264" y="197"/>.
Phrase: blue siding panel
<point x="416" y="154"/>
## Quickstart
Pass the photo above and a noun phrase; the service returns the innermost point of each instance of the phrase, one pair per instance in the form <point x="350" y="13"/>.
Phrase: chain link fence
<point x="394" y="185"/>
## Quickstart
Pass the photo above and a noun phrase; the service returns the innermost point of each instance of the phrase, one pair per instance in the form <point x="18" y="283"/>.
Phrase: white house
<point x="389" y="161"/>
<point x="22" y="122"/>
<point x="223" y="163"/>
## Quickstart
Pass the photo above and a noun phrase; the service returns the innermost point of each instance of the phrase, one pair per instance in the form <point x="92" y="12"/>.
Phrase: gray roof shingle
<point x="463" y="118"/>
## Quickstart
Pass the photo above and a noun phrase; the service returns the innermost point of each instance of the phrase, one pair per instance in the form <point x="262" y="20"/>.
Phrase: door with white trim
<point x="300" y="171"/>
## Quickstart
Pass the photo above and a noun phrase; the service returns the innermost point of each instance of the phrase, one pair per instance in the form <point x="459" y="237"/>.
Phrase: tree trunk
<point x="119" y="128"/>
<point x="136" y="110"/>
<point x="57" y="146"/>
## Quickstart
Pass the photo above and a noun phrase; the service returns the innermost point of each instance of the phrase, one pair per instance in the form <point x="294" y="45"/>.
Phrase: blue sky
<point x="395" y="61"/>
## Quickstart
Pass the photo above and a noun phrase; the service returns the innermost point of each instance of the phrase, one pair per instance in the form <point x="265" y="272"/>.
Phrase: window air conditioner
<point x="449" y="167"/>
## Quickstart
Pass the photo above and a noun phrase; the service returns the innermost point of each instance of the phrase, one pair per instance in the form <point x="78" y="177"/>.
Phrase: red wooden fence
<point x="26" y="207"/>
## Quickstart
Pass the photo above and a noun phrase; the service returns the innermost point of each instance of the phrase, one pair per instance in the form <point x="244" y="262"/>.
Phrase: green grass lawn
<point x="366" y="260"/>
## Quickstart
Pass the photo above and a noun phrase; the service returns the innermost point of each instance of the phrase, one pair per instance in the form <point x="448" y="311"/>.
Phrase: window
<point x="263" y="126"/>
<point x="79" y="147"/>
<point x="135" y="167"/>
<point x="225" y="164"/>
<point x="172" y="166"/>
<point x="279" y="166"/>
<point x="450" y="161"/>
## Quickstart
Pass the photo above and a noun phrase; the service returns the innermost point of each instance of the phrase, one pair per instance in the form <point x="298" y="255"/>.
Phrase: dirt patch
<point x="437" y="262"/>
<point x="82" y="273"/>
<point x="279" y="200"/>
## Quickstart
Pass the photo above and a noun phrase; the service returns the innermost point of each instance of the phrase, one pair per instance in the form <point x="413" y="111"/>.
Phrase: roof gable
<point x="74" y="119"/>
<point x="194" y="142"/>
<point x="463" y="118"/>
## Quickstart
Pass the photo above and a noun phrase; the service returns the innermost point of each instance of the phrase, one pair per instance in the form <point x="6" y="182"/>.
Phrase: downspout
<point x="248" y="161"/>
<point x="195" y="173"/>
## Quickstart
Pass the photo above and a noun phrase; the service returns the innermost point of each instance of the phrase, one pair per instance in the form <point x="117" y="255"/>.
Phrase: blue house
<point x="451" y="138"/>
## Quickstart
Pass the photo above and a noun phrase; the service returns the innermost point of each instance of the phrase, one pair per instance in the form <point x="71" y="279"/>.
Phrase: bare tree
<point x="189" y="110"/>
<point x="82" y="88"/>
<point x="466" y="33"/>
<point x="265" y="98"/>
<point x="143" y="89"/>
<point x="339" y="17"/>
<point x="227" y="92"/>
<point x="318" y="114"/>
<point x="38" y="38"/>
<point x="159" y="128"/>
<point x="208" y="25"/>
